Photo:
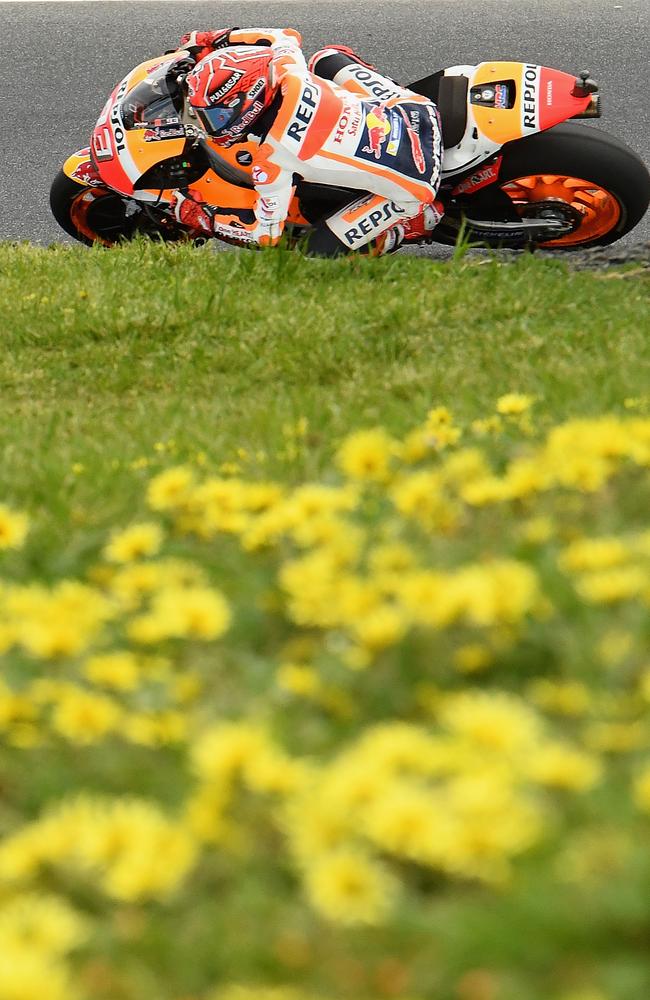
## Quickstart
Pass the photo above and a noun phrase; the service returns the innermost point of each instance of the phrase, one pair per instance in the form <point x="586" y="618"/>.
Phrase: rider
<point x="336" y="121"/>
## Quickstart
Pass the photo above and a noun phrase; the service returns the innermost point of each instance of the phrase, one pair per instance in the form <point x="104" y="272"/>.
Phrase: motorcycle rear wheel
<point x="583" y="172"/>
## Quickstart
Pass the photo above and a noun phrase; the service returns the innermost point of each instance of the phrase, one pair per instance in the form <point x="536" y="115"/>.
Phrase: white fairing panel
<point x="473" y="147"/>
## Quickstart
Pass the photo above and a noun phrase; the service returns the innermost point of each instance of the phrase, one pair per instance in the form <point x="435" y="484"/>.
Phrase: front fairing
<point x="121" y="148"/>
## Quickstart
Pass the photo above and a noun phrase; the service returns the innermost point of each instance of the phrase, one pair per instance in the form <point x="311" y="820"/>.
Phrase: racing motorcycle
<point x="518" y="170"/>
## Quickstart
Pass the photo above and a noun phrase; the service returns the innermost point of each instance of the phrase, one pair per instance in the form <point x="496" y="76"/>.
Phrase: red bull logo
<point x="378" y="127"/>
<point x="86" y="173"/>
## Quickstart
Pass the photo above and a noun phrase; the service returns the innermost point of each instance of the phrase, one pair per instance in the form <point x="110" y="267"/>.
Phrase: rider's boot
<point x="419" y="229"/>
<point x="326" y="62"/>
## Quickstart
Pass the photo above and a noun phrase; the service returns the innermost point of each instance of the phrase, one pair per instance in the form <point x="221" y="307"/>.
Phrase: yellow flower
<point x="312" y="826"/>
<point x="205" y="813"/>
<point x="559" y="765"/>
<point x="613" y="585"/>
<point x="416" y="445"/>
<point x="57" y="622"/>
<point x="563" y="697"/>
<point x="273" y="772"/>
<point x="384" y="626"/>
<point x="44" y="925"/>
<point x="489" y="425"/>
<point x="492" y="721"/>
<point x="420" y="495"/>
<point x="13" y="527"/>
<point x="171" y="489"/>
<point x="83" y="717"/>
<point x="410" y="822"/>
<point x="348" y="888"/>
<point x="472" y="657"/>
<point x="223" y="751"/>
<point x="538" y="530"/>
<point x="594" y="554"/>
<point x="513" y="403"/>
<point x="192" y="612"/>
<point x="366" y="455"/>
<point x="25" y="976"/>
<point x="134" y="542"/>
<point x="438" y="417"/>
<point x="298" y="679"/>
<point x="118" y="670"/>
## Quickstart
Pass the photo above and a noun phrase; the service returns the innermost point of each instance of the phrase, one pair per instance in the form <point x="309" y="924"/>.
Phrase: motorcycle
<point x="517" y="171"/>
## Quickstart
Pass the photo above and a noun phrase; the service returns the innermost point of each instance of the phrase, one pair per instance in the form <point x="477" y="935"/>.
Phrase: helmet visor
<point x="216" y="119"/>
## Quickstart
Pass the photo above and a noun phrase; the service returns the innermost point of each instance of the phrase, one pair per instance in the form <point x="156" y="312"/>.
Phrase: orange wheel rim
<point x="600" y="210"/>
<point x="79" y="209"/>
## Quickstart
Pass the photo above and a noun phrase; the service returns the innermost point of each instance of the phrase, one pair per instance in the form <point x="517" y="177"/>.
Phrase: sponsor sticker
<point x="500" y="95"/>
<point x="102" y="147"/>
<point x="379" y="127"/>
<point x="374" y="84"/>
<point x="487" y="175"/>
<point x="303" y="115"/>
<point x="356" y="228"/>
<point x="530" y="99"/>
<point x="226" y="87"/>
<point x="396" y="128"/>
<point x="159" y="133"/>
<point x="86" y="173"/>
<point x="247" y="119"/>
<point x="256" y="89"/>
<point x="348" y="123"/>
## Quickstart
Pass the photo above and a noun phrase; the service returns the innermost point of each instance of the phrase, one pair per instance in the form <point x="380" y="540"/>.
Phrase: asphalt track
<point x="59" y="61"/>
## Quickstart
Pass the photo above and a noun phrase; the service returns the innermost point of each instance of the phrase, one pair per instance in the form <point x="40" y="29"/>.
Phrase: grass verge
<point x="344" y="715"/>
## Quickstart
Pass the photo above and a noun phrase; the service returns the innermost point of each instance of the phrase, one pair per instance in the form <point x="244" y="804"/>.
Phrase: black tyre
<point x="544" y="172"/>
<point x="102" y="218"/>
<point x="99" y="215"/>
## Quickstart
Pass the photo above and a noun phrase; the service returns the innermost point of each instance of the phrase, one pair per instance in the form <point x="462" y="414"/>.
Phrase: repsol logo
<point x="530" y="97"/>
<point x="116" y="120"/>
<point x="375" y="84"/>
<point x="375" y="220"/>
<point x="303" y="114"/>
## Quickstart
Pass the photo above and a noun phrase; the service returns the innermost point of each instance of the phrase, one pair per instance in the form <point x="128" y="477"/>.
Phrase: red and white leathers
<point x="360" y="131"/>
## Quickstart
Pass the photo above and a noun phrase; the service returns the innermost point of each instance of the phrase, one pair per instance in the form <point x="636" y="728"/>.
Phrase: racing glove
<point x="201" y="43"/>
<point x="192" y="213"/>
<point x="206" y="220"/>
<point x="265" y="36"/>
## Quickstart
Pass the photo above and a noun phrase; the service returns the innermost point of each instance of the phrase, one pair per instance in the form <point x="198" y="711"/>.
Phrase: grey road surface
<point x="59" y="61"/>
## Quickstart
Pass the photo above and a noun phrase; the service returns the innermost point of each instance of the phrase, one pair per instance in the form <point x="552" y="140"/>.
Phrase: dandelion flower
<point x="134" y="542"/>
<point x="347" y="887"/>
<point x="13" y="527"/>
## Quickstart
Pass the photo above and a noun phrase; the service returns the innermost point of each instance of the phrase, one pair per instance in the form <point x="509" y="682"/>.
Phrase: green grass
<point x="118" y="364"/>
<point x="106" y="354"/>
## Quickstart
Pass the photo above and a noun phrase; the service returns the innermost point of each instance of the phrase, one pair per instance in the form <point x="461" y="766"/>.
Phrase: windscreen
<point x="154" y="101"/>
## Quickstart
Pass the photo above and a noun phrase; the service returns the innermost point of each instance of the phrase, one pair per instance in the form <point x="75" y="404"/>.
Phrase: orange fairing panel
<point x="148" y="154"/>
<point x="543" y="98"/>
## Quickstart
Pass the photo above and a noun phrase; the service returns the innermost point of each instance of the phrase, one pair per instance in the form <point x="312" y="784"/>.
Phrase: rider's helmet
<point x="230" y="90"/>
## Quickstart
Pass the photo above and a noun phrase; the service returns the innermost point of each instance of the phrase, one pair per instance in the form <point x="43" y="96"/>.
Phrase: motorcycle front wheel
<point x="590" y="178"/>
<point x="99" y="215"/>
